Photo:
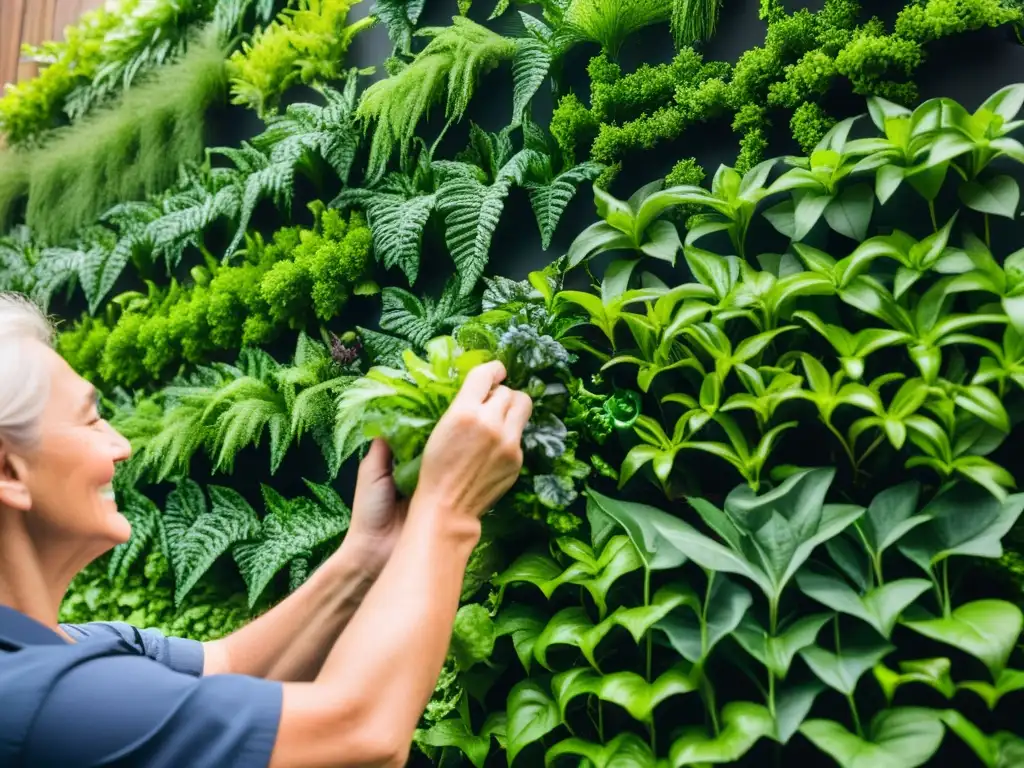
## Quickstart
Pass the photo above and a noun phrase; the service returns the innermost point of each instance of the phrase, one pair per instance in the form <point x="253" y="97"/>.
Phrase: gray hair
<point x="24" y="382"/>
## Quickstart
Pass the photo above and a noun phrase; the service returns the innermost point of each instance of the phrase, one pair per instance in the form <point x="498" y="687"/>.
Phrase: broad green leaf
<point x="998" y="196"/>
<point x="898" y="738"/>
<point x="567" y="627"/>
<point x="532" y="714"/>
<point x="625" y="749"/>
<point x="744" y="724"/>
<point x="776" y="653"/>
<point x="639" y="619"/>
<point x="648" y="528"/>
<point x="532" y="568"/>
<point x="454" y="733"/>
<point x="949" y="532"/>
<point x="849" y="214"/>
<point x="934" y="673"/>
<point x="523" y="623"/>
<point x="844" y="670"/>
<point x="890" y="516"/>
<point x="986" y="629"/>
<point x="881" y="607"/>
<point x="728" y="603"/>
<point x="809" y="207"/>
<point x="1009" y="681"/>
<point x="626" y="689"/>
<point x="792" y="705"/>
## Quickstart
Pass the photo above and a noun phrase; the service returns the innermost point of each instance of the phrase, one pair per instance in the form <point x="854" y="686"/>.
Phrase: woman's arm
<point x="291" y="641"/>
<point x="365" y="704"/>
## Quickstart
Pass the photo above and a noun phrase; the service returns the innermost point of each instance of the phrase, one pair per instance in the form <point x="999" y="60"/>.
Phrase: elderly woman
<point x="337" y="674"/>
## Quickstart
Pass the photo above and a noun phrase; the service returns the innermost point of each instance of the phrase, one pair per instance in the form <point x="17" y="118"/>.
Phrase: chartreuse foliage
<point x="805" y="56"/>
<point x="106" y="52"/>
<point x="305" y="44"/>
<point x="299" y="280"/>
<point x="122" y="151"/>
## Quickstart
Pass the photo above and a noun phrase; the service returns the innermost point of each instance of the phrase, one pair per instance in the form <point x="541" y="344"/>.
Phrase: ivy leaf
<point x="881" y="607"/>
<point x="453" y="732"/>
<point x="727" y="604"/>
<point x="523" y="623"/>
<point x="144" y="516"/>
<point x="776" y="653"/>
<point x="624" y="749"/>
<point x="626" y="689"/>
<point x="289" y="530"/>
<point x="842" y="671"/>
<point x="532" y="714"/>
<point x="934" y="673"/>
<point x="1009" y="681"/>
<point x="745" y="724"/>
<point x="898" y="738"/>
<point x="198" y="535"/>
<point x="1002" y="750"/>
<point x="986" y="629"/>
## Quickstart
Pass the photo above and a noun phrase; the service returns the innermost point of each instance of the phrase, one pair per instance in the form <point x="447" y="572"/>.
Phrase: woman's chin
<point x="119" y="529"/>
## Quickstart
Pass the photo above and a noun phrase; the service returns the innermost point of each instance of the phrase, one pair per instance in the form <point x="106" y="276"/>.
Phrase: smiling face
<point x="63" y="480"/>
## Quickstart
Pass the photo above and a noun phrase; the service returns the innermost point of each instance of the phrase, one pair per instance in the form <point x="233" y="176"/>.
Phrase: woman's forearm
<point x="291" y="641"/>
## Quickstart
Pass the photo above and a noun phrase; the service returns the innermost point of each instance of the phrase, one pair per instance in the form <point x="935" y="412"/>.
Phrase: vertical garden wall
<point x="758" y="264"/>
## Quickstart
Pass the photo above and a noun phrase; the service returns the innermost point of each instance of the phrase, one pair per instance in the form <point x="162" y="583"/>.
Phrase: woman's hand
<point x="474" y="455"/>
<point x="378" y="514"/>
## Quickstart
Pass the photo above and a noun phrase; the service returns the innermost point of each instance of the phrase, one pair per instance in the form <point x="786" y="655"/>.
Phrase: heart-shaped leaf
<point x="744" y="723"/>
<point x="999" y="196"/>
<point x="727" y="605"/>
<point x="843" y="670"/>
<point x="532" y="714"/>
<point x="776" y="653"/>
<point x="1009" y="681"/>
<point x="898" y="738"/>
<point x="934" y="673"/>
<point x="881" y="607"/>
<point x="986" y="629"/>
<point x="625" y="749"/>
<point x="626" y="689"/>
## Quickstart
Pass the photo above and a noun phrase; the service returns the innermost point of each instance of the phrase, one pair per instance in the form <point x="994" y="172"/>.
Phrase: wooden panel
<point x="11" y="14"/>
<point x="36" y="27"/>
<point x="66" y="12"/>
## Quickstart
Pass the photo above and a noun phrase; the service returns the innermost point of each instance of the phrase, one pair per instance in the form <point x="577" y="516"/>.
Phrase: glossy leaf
<point x="1002" y="750"/>
<point x="625" y="749"/>
<point x="881" y="607"/>
<point x="934" y="673"/>
<point x="626" y="689"/>
<point x="898" y="738"/>
<point x="727" y="604"/>
<point x="777" y="653"/>
<point x="986" y="629"/>
<point x="1009" y="681"/>
<point x="744" y="724"/>
<point x="842" y="671"/>
<point x="532" y="714"/>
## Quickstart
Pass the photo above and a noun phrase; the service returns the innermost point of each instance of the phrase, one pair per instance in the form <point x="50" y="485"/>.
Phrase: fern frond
<point x="400" y="17"/>
<point x="254" y="406"/>
<point x="382" y="348"/>
<point x="198" y="535"/>
<point x="57" y="268"/>
<point x="549" y="198"/>
<point x="457" y="56"/>
<point x="418" y="321"/>
<point x="263" y="178"/>
<point x="533" y="59"/>
<point x="289" y="530"/>
<point x="144" y="516"/>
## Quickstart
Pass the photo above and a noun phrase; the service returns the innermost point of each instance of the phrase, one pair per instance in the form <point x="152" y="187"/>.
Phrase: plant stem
<point x="931" y="211"/>
<point x="988" y="232"/>
<point x="856" y="717"/>
<point x="647" y="602"/>
<point x="600" y="721"/>
<point x="878" y="441"/>
<point x="946" y="609"/>
<point x="842" y="441"/>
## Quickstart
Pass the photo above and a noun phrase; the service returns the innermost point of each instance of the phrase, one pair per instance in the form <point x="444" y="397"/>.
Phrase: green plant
<point x="122" y="151"/>
<point x="304" y="44"/>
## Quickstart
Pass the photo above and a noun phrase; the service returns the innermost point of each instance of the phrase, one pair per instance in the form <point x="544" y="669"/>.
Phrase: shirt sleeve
<point x="128" y="711"/>
<point x="178" y="653"/>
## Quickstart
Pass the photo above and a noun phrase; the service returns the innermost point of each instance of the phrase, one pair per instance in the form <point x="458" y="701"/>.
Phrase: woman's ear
<point x="14" y="491"/>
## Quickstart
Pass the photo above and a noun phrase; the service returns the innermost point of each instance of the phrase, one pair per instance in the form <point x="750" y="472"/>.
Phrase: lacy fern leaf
<point x="400" y="17"/>
<point x="382" y="348"/>
<point x="198" y="535"/>
<point x="144" y="516"/>
<point x="419" y="320"/>
<point x="609" y="22"/>
<point x="290" y="529"/>
<point x="549" y="196"/>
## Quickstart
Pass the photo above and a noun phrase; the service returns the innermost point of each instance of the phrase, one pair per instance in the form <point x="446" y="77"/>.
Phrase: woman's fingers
<point x="478" y="384"/>
<point x="519" y="412"/>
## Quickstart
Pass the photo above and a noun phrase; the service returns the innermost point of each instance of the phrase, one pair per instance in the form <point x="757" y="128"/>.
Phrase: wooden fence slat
<point x="65" y="13"/>
<point x="11" y="14"/>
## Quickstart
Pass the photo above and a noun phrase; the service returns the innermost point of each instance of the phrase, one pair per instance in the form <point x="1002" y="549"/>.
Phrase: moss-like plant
<point x="305" y="44"/>
<point x="120" y="152"/>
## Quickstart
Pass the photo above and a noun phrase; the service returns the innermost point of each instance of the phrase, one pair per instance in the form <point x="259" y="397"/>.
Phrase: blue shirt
<point x="121" y="696"/>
